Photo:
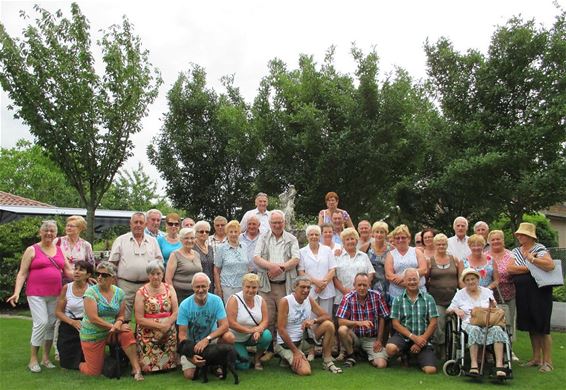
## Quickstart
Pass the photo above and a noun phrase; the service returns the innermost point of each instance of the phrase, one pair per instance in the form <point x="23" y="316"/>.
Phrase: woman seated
<point x="103" y="323"/>
<point x="70" y="311"/>
<point x="247" y="317"/>
<point x="474" y="295"/>
<point x="155" y="309"/>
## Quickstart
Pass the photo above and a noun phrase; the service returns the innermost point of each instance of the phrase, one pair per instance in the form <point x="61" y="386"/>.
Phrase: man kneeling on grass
<point x="361" y="316"/>
<point x="413" y="316"/>
<point x="297" y="330"/>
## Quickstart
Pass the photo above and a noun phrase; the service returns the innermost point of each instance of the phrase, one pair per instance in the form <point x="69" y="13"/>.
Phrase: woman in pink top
<point x="43" y="266"/>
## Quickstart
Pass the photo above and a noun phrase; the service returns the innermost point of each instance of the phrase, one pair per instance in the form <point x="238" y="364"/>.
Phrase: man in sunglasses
<point x="131" y="253"/>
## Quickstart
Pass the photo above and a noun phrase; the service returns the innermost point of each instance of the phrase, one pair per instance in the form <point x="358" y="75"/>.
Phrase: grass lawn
<point x="14" y="355"/>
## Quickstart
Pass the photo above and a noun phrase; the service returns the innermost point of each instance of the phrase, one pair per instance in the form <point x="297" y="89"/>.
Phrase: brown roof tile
<point x="7" y="199"/>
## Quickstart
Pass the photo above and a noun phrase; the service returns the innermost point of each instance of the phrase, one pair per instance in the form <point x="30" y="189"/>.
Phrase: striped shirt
<point x="414" y="316"/>
<point x="353" y="309"/>
<point x="538" y="250"/>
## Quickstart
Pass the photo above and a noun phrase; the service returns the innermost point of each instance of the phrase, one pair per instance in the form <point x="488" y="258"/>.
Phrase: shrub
<point x="545" y="233"/>
<point x="559" y="294"/>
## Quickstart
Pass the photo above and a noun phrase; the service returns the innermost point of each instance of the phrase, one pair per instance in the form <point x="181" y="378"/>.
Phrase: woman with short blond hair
<point x="230" y="263"/>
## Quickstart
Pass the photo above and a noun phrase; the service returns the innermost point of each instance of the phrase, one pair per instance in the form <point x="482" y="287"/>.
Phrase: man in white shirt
<point x="458" y="244"/>
<point x="260" y="212"/>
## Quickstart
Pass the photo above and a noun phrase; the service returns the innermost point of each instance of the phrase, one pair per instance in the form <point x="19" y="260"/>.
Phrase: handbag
<point x="496" y="317"/>
<point x="547" y="278"/>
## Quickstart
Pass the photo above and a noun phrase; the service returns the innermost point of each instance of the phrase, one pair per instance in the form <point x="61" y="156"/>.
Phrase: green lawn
<point x="14" y="354"/>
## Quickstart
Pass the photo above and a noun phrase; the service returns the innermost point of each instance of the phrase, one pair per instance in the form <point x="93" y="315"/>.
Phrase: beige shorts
<point x="287" y="354"/>
<point x="366" y="344"/>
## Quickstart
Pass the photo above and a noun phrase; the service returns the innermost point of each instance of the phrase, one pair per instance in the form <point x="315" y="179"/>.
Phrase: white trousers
<point x="43" y="317"/>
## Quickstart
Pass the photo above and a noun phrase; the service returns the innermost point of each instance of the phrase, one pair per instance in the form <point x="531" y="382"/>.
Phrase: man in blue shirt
<point x="202" y="319"/>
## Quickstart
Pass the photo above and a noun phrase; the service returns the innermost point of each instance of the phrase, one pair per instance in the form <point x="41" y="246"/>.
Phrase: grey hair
<point x="184" y="231"/>
<point x="138" y="214"/>
<point x="108" y="266"/>
<point x="198" y="275"/>
<point x="460" y="218"/>
<point x="411" y="270"/>
<point x="153" y="211"/>
<point x="276" y="212"/>
<point x="479" y="223"/>
<point x="153" y="266"/>
<point x="198" y="225"/>
<point x="261" y="194"/>
<point x="47" y="224"/>
<point x="299" y="279"/>
<point x="311" y="228"/>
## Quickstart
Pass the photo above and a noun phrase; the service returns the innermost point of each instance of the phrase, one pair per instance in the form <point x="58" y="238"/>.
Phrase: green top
<point x="414" y="316"/>
<point x="106" y="310"/>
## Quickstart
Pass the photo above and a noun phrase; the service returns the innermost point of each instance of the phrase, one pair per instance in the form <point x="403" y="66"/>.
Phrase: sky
<point x="241" y="37"/>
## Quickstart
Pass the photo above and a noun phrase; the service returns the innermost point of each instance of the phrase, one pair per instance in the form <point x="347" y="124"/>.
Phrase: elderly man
<point x="202" y="320"/>
<point x="419" y="240"/>
<point x="131" y="253"/>
<point x="482" y="228"/>
<point x="250" y="237"/>
<point x="276" y="257"/>
<point x="364" y="230"/>
<point x="188" y="222"/>
<point x="361" y="319"/>
<point x="260" y="212"/>
<point x="219" y="236"/>
<point x="458" y="244"/>
<point x="338" y="223"/>
<point x="297" y="329"/>
<point x="413" y="317"/>
<point x="153" y="222"/>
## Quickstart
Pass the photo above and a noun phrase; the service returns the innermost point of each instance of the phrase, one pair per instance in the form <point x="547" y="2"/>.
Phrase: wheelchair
<point x="458" y="363"/>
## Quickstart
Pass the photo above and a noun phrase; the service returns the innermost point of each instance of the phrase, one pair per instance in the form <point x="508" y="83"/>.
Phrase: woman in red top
<point x="43" y="266"/>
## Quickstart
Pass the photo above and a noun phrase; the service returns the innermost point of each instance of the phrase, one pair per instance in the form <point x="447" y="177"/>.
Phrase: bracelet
<point x="410" y="336"/>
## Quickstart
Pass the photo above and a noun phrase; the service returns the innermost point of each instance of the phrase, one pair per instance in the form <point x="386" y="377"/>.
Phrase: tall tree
<point x="82" y="119"/>
<point x="206" y="150"/>
<point x="501" y="149"/>
<point x="26" y="171"/>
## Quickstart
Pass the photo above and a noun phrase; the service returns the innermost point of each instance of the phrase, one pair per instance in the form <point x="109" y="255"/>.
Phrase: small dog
<point x="223" y="355"/>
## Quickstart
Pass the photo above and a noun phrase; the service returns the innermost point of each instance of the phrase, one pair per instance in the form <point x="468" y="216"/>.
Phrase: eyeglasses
<point x="400" y="238"/>
<point x="103" y="275"/>
<point x="172" y="223"/>
<point x="203" y="231"/>
<point x="70" y="225"/>
<point x="419" y="242"/>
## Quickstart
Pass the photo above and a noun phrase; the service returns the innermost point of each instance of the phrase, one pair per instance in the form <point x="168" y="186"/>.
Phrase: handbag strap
<point x="246" y="307"/>
<point x="499" y="293"/>
<point x="51" y="259"/>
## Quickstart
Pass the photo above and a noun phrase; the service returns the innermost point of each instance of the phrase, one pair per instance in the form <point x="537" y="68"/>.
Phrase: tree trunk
<point x="90" y="209"/>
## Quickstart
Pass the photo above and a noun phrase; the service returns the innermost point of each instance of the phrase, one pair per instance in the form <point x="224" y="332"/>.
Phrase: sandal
<point x="330" y="366"/>
<point x="138" y="377"/>
<point x="546" y="367"/>
<point x="48" y="364"/>
<point x="473" y="371"/>
<point x="310" y="356"/>
<point x="258" y="366"/>
<point x="349" y="361"/>
<point x="34" y="368"/>
<point x="500" y="372"/>
<point x="531" y="363"/>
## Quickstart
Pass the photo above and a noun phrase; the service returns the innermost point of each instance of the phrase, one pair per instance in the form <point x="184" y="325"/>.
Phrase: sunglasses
<point x="103" y="275"/>
<point x="172" y="223"/>
<point x="419" y="242"/>
<point x="203" y="231"/>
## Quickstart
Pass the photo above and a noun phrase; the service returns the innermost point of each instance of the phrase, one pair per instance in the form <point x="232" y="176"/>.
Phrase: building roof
<point x="7" y="199"/>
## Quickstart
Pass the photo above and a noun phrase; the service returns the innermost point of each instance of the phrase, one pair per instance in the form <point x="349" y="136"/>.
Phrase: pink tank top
<point x="44" y="279"/>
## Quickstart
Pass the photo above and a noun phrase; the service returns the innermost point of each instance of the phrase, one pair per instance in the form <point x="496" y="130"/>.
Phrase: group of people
<point x="347" y="292"/>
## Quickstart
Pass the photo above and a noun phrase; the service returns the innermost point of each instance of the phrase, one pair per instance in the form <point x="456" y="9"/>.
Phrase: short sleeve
<point x="344" y="309"/>
<point x="219" y="256"/>
<point x="260" y="244"/>
<point x="295" y="248"/>
<point x="432" y="310"/>
<point x="345" y="215"/>
<point x="220" y="311"/>
<point x="369" y="266"/>
<point x="396" y="308"/>
<point x="90" y="294"/>
<point x="301" y="266"/>
<point x="183" y="317"/>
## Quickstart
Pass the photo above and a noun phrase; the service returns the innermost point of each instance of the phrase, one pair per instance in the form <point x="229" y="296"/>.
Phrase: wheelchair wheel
<point x="451" y="368"/>
<point x="449" y="339"/>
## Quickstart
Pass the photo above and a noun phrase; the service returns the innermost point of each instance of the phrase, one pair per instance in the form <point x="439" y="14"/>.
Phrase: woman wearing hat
<point x="474" y="295"/>
<point x="534" y="304"/>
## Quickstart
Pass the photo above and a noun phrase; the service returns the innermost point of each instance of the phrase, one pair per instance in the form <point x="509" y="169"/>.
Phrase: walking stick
<point x="485" y="337"/>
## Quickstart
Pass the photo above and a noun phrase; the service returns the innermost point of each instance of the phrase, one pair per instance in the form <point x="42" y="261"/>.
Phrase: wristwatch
<point x="209" y="338"/>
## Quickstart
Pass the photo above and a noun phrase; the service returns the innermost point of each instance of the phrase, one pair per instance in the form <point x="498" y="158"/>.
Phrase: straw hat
<point x="528" y="229"/>
<point x="467" y="272"/>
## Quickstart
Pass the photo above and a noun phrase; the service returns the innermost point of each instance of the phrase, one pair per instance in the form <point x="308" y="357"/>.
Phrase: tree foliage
<point x="206" y="151"/>
<point x="501" y="148"/>
<point x="25" y="170"/>
<point x="82" y="119"/>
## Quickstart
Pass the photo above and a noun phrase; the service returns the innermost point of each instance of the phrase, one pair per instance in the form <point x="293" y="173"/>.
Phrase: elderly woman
<point x="377" y="252"/>
<point x="350" y="263"/>
<point x="205" y="251"/>
<point x="73" y="246"/>
<point x="230" y="263"/>
<point x="182" y="265"/>
<point x="155" y="310"/>
<point x="43" y="266"/>
<point x="401" y="258"/>
<point x="325" y="216"/>
<point x="170" y="242"/>
<point x="70" y="312"/>
<point x="502" y="257"/>
<point x="534" y="304"/>
<point x="428" y="247"/>
<point x="489" y="277"/>
<point x="327" y="233"/>
<point x="318" y="263"/>
<point x="247" y="317"/>
<point x="444" y="272"/>
<point x="103" y="323"/>
<point x="474" y="295"/>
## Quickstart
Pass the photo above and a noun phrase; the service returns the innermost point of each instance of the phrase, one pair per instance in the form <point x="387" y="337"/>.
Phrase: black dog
<point x="223" y="355"/>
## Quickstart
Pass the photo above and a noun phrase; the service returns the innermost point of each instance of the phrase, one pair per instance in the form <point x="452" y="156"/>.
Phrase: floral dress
<point x="485" y="271"/>
<point x="156" y="351"/>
